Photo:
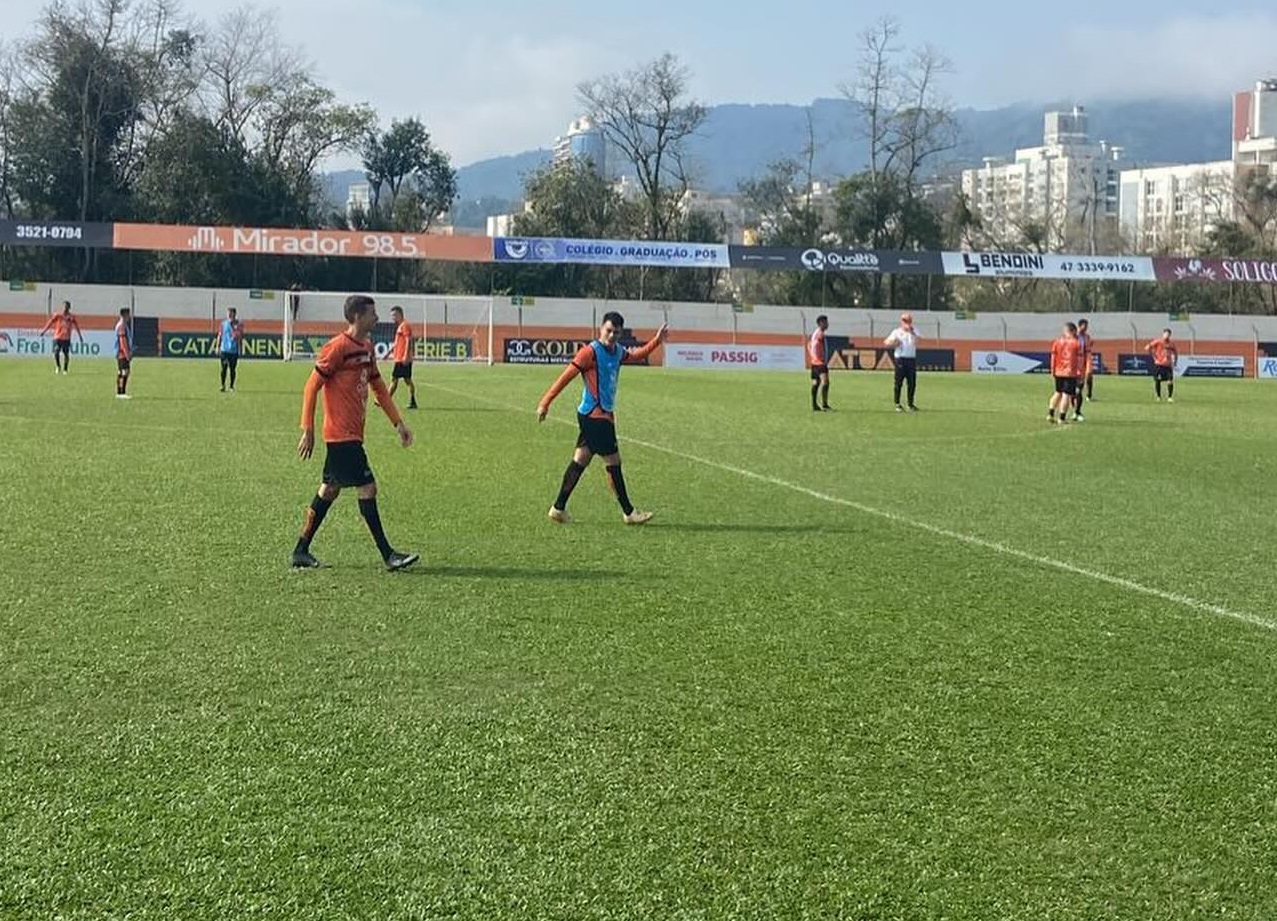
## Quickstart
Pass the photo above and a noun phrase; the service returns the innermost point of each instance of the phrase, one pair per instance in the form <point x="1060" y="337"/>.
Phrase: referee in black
<point x="904" y="344"/>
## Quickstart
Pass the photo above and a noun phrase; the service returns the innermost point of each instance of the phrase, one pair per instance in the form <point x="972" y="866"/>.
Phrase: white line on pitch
<point x="1204" y="607"/>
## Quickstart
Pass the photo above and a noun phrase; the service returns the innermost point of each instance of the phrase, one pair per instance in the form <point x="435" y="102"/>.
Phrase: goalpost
<point x="454" y="328"/>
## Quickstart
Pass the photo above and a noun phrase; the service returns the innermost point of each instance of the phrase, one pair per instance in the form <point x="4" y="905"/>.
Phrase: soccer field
<point x="952" y="665"/>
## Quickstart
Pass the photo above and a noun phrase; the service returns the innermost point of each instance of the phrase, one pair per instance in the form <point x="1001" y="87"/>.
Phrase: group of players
<point x="346" y="368"/>
<point x="1073" y="369"/>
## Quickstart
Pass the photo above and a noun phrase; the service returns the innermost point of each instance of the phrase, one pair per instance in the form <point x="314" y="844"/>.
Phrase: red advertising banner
<point x="272" y="241"/>
<point x="1254" y="271"/>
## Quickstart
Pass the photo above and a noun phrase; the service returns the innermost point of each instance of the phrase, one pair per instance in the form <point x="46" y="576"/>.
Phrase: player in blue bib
<point x="229" y="337"/>
<point x="599" y="364"/>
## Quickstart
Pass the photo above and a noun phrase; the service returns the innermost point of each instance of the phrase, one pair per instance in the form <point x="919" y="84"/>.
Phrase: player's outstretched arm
<point x="648" y="347"/>
<point x="582" y="361"/>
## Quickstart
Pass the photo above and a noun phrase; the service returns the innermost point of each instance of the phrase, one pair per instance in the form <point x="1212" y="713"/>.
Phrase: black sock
<point x="815" y="388"/>
<point x="1090" y="387"/>
<point x="824" y="395"/>
<point x="618" y="487"/>
<point x="1170" y="390"/>
<point x="1157" y="385"/>
<point x="1050" y="413"/>
<point x="315" y="513"/>
<point x="223" y="375"/>
<point x="571" y="477"/>
<point x="368" y="508"/>
<point x="233" y="377"/>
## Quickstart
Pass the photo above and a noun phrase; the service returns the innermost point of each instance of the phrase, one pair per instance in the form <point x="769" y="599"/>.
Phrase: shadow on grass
<point x="508" y="572"/>
<point x="723" y="528"/>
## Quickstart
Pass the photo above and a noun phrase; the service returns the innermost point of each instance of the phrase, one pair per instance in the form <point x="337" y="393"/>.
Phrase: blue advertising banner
<point x="837" y="261"/>
<point x="1129" y="364"/>
<point x="555" y="250"/>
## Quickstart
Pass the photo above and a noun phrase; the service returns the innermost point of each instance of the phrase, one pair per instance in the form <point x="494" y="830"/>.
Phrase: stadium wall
<point x="196" y="310"/>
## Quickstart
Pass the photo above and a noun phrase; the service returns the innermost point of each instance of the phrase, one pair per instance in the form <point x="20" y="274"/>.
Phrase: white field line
<point x="1130" y="585"/>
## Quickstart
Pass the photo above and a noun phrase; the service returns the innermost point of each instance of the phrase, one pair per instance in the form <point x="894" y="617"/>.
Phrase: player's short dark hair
<point x="124" y="311"/>
<point x="614" y="318"/>
<point x="356" y="306"/>
<point x="1084" y="322"/>
<point x="822" y="319"/>
<point x="396" y="309"/>
<point x="66" y="305"/>
<point x="232" y="310"/>
<point x="1071" y="327"/>
<point x="1167" y="330"/>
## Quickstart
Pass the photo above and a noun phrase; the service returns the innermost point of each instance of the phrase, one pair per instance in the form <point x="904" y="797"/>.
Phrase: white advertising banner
<point x="1267" y="368"/>
<point x="1005" y="363"/>
<point x="1210" y="366"/>
<point x="1048" y="265"/>
<point x="735" y="357"/>
<point x="28" y="343"/>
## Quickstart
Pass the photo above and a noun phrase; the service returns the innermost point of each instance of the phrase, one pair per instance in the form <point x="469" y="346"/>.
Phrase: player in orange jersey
<point x="599" y="363"/>
<point x="1085" y="346"/>
<point x="818" y="359"/>
<point x="1065" y="366"/>
<point x="345" y="369"/>
<point x="402" y="354"/>
<point x="123" y="353"/>
<point x="62" y="324"/>
<point x="1164" y="357"/>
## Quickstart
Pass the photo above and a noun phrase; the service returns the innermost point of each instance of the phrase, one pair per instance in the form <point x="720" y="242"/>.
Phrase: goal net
<point x="445" y="327"/>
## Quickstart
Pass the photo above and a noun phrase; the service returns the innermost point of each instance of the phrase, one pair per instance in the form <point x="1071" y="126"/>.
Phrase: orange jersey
<point x="403" y="343"/>
<point x="63" y="323"/>
<point x="1066" y="357"/>
<point x="816" y="348"/>
<point x="1164" y="353"/>
<point x="123" y="340"/>
<point x="348" y="367"/>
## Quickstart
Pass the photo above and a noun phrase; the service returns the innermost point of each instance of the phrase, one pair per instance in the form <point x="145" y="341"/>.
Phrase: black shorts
<point x="1066" y="385"/>
<point x="122" y="364"/>
<point x="598" y="436"/>
<point x="346" y="464"/>
<point x="230" y="359"/>
<point x="62" y="345"/>
<point x="1163" y="373"/>
<point x="402" y="371"/>
<point x="818" y="370"/>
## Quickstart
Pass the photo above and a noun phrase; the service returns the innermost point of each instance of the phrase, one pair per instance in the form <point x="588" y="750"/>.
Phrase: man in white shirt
<point x="903" y="342"/>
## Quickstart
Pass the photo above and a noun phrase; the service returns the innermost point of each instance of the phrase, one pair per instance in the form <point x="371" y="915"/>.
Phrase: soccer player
<point x="402" y="355"/>
<point x="599" y="363"/>
<point x="62" y="324"/>
<point x="228" y="342"/>
<point x="1084" y="347"/>
<point x="1164" y="357"/>
<point x="123" y="353"/>
<point x="904" y="341"/>
<point x="1065" y="358"/>
<point x="1088" y="369"/>
<point x="344" y="370"/>
<point x="818" y="358"/>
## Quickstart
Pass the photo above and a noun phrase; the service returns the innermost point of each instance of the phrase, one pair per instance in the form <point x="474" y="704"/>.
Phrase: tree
<point x="644" y="113"/>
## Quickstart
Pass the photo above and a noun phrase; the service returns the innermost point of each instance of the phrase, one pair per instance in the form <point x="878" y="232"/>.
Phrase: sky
<point x="497" y="77"/>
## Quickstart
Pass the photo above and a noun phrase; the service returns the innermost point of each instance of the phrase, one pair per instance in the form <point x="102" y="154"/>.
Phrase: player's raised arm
<point x="581" y="362"/>
<point x="634" y="356"/>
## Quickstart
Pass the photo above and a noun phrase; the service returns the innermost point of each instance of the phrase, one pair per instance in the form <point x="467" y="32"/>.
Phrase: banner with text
<point x="1210" y="366"/>
<point x="276" y="241"/>
<point x="812" y="259"/>
<point x="845" y="355"/>
<point x="1048" y="265"/>
<point x="735" y="357"/>
<point x="610" y="252"/>
<point x="271" y="346"/>
<point x="28" y="343"/>
<point x="1261" y="271"/>
<point x="56" y="233"/>
<point x="1267" y="368"/>
<point x="542" y="351"/>
<point x="1010" y="362"/>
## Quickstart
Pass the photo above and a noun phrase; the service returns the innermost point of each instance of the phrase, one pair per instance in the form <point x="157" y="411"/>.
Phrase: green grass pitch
<point x="957" y="665"/>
